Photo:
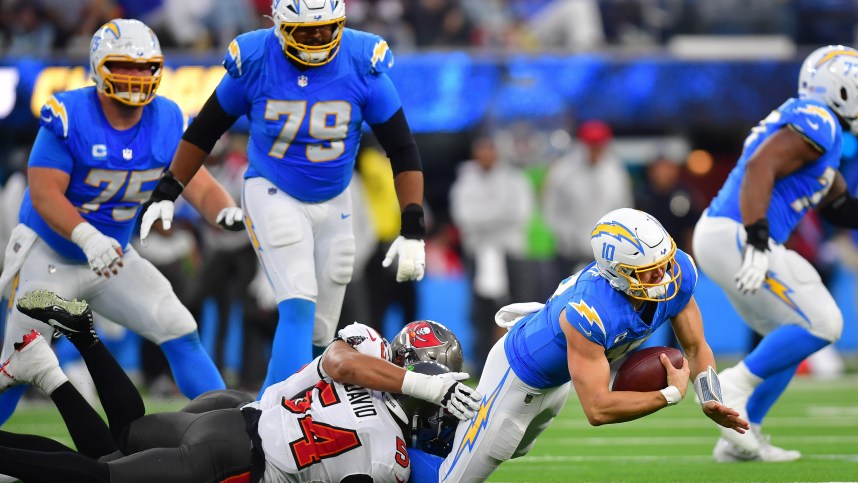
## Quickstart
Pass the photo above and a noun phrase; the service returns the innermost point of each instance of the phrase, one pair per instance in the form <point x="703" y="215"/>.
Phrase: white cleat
<point x="32" y="362"/>
<point x="727" y="452"/>
<point x="736" y="396"/>
<point x="769" y="452"/>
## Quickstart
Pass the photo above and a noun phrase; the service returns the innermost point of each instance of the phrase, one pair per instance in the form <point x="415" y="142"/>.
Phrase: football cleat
<point x="770" y="452"/>
<point x="32" y="362"/>
<point x="736" y="397"/>
<point x="72" y="318"/>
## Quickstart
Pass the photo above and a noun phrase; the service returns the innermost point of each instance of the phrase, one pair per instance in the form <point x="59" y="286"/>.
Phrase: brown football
<point x="642" y="371"/>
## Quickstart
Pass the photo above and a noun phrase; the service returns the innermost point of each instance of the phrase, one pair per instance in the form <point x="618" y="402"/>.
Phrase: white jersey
<point x="328" y="431"/>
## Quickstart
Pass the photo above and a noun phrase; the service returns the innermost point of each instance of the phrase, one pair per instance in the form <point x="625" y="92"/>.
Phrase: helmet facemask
<point x="131" y="90"/>
<point x="659" y="290"/>
<point x="291" y="15"/>
<point x="311" y="55"/>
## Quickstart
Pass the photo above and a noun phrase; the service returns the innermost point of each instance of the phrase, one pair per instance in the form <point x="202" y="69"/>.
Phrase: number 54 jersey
<point x="327" y="432"/>
<point x="306" y="123"/>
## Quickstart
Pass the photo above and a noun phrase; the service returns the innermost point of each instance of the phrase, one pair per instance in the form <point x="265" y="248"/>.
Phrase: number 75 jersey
<point x="305" y="123"/>
<point x="327" y="432"/>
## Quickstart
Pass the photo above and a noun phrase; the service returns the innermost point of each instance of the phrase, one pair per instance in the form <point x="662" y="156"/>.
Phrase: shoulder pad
<point x="55" y="116"/>
<point x="369" y="49"/>
<point x="243" y="51"/>
<point x="689" y="271"/>
<point x="587" y="320"/>
<point x="815" y="122"/>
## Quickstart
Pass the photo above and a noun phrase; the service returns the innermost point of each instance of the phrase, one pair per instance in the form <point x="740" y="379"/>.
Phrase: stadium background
<point x="678" y="79"/>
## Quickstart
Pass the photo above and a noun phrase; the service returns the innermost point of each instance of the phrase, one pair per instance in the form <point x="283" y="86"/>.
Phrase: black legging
<point x="197" y="445"/>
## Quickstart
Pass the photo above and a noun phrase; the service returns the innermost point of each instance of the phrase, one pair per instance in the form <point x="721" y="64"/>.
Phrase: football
<point x="642" y="371"/>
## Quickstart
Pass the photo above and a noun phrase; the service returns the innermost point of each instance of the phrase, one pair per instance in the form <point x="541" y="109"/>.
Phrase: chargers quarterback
<point x="638" y="281"/>
<point x="99" y="152"/>
<point x="321" y="424"/>
<point x="307" y="85"/>
<point x="788" y="166"/>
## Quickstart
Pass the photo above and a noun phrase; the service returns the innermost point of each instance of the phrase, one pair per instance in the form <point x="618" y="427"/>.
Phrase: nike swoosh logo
<point x="46" y="119"/>
<point x="587" y="332"/>
<point x="813" y="125"/>
<point x="56" y="323"/>
<point x="345" y="215"/>
<point x="370" y="335"/>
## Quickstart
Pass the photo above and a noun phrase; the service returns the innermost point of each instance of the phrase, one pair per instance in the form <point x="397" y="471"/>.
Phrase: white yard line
<point x="688" y="440"/>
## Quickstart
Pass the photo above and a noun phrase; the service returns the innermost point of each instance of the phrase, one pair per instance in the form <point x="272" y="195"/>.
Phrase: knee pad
<point x="281" y="228"/>
<point x="504" y="443"/>
<point x="801" y="270"/>
<point x="831" y="327"/>
<point x="341" y="260"/>
<point x="172" y="320"/>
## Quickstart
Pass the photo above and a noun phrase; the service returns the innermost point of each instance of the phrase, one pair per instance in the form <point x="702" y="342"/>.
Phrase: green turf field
<point x="820" y="418"/>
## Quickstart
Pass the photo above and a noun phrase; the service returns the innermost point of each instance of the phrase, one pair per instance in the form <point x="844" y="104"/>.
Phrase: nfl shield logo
<point x="302" y="81"/>
<point x="127" y="154"/>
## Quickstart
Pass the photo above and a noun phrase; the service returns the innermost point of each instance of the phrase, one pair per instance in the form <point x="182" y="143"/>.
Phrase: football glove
<point x="103" y="253"/>
<point x="231" y="218"/>
<point x="751" y="275"/>
<point x="444" y="390"/>
<point x="158" y="210"/>
<point x="412" y="258"/>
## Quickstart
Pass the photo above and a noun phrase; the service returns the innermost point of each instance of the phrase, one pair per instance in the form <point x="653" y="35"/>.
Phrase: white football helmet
<point x="126" y="40"/>
<point x="808" y="67"/>
<point x="833" y="80"/>
<point x="289" y="15"/>
<point x="630" y="244"/>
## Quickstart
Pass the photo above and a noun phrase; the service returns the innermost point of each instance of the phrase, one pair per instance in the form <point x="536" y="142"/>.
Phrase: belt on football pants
<point x="257" y="457"/>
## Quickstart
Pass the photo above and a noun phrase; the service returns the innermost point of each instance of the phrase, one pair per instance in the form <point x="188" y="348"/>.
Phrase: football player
<point x="788" y="166"/>
<point x="99" y="152"/>
<point x="638" y="282"/>
<point x="307" y="85"/>
<point x="318" y="425"/>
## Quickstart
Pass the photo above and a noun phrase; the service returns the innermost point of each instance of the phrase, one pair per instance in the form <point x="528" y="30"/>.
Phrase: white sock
<point x="745" y="378"/>
<point x="49" y="381"/>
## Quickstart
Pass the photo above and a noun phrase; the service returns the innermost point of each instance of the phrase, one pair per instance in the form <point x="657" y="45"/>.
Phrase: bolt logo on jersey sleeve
<point x="111" y="172"/>
<point x="305" y="125"/>
<point x="801" y="190"/>
<point x="536" y="345"/>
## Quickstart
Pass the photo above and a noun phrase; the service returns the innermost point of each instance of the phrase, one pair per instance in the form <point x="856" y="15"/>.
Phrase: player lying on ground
<point x="638" y="281"/>
<point x="334" y="431"/>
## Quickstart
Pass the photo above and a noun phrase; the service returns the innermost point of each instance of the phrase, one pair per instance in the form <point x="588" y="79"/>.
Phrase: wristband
<point x="672" y="395"/>
<point x="707" y="386"/>
<point x="82" y="232"/>
<point x="758" y="234"/>
<point x="413" y="225"/>
<point x="168" y="188"/>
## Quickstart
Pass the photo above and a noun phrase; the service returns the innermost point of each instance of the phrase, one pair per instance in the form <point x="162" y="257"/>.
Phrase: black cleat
<point x="72" y="318"/>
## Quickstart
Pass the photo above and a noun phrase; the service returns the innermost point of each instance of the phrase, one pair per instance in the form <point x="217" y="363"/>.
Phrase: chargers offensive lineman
<point x="319" y="425"/>
<point x="307" y="85"/>
<point x="638" y="282"/>
<point x="99" y="153"/>
<point x="789" y="165"/>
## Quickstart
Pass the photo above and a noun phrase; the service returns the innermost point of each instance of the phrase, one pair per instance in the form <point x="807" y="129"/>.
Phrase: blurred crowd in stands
<point x="43" y="27"/>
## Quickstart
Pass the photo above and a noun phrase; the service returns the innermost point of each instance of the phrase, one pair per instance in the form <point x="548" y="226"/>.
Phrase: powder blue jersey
<point x="111" y="172"/>
<point x="801" y="190"/>
<point x="536" y="345"/>
<point x="305" y="124"/>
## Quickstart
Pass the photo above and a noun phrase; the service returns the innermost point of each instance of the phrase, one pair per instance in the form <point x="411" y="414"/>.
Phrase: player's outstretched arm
<point x="591" y="375"/>
<point x="212" y="200"/>
<point x="346" y="365"/>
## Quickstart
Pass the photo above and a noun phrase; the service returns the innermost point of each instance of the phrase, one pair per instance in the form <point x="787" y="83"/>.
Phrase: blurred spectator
<point x="438" y="23"/>
<point x="491" y="204"/>
<point x="229" y="18"/>
<point x="665" y="196"/>
<point x="381" y="17"/>
<point x="27" y="34"/>
<point x="588" y="181"/>
<point x="76" y="20"/>
<point x="574" y="25"/>
<point x="229" y="262"/>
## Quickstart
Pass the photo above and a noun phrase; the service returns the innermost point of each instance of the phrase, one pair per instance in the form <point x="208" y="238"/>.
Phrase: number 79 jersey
<point x="327" y="432"/>
<point x="305" y="123"/>
<point x="801" y="190"/>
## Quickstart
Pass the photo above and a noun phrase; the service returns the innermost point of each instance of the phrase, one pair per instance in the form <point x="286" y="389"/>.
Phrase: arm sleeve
<point x="209" y="125"/>
<point x="50" y="152"/>
<point x="395" y="137"/>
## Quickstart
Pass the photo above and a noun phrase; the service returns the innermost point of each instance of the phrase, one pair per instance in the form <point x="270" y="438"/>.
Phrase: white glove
<point x="751" y="275"/>
<point x="103" y="253"/>
<point x="231" y="219"/>
<point x="412" y="258"/>
<point x="444" y="390"/>
<point x="160" y="210"/>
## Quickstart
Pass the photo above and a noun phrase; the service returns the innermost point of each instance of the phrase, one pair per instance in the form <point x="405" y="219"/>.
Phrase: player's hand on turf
<point x="231" y="218"/>
<point x="676" y="377"/>
<point x="724" y="416"/>
<point x="751" y="275"/>
<point x="158" y="210"/>
<point x="412" y="258"/>
<point x="103" y="253"/>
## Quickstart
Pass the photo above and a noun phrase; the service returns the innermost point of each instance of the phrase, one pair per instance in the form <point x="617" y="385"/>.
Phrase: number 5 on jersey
<point x="329" y="124"/>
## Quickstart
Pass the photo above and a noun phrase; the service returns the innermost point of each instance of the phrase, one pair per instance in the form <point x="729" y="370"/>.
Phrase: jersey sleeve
<point x="242" y="62"/>
<point x="383" y="100"/>
<point x="379" y="54"/>
<point x="587" y="318"/>
<point x="49" y="151"/>
<point x="230" y="95"/>
<point x="816" y="123"/>
<point x="54" y="116"/>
